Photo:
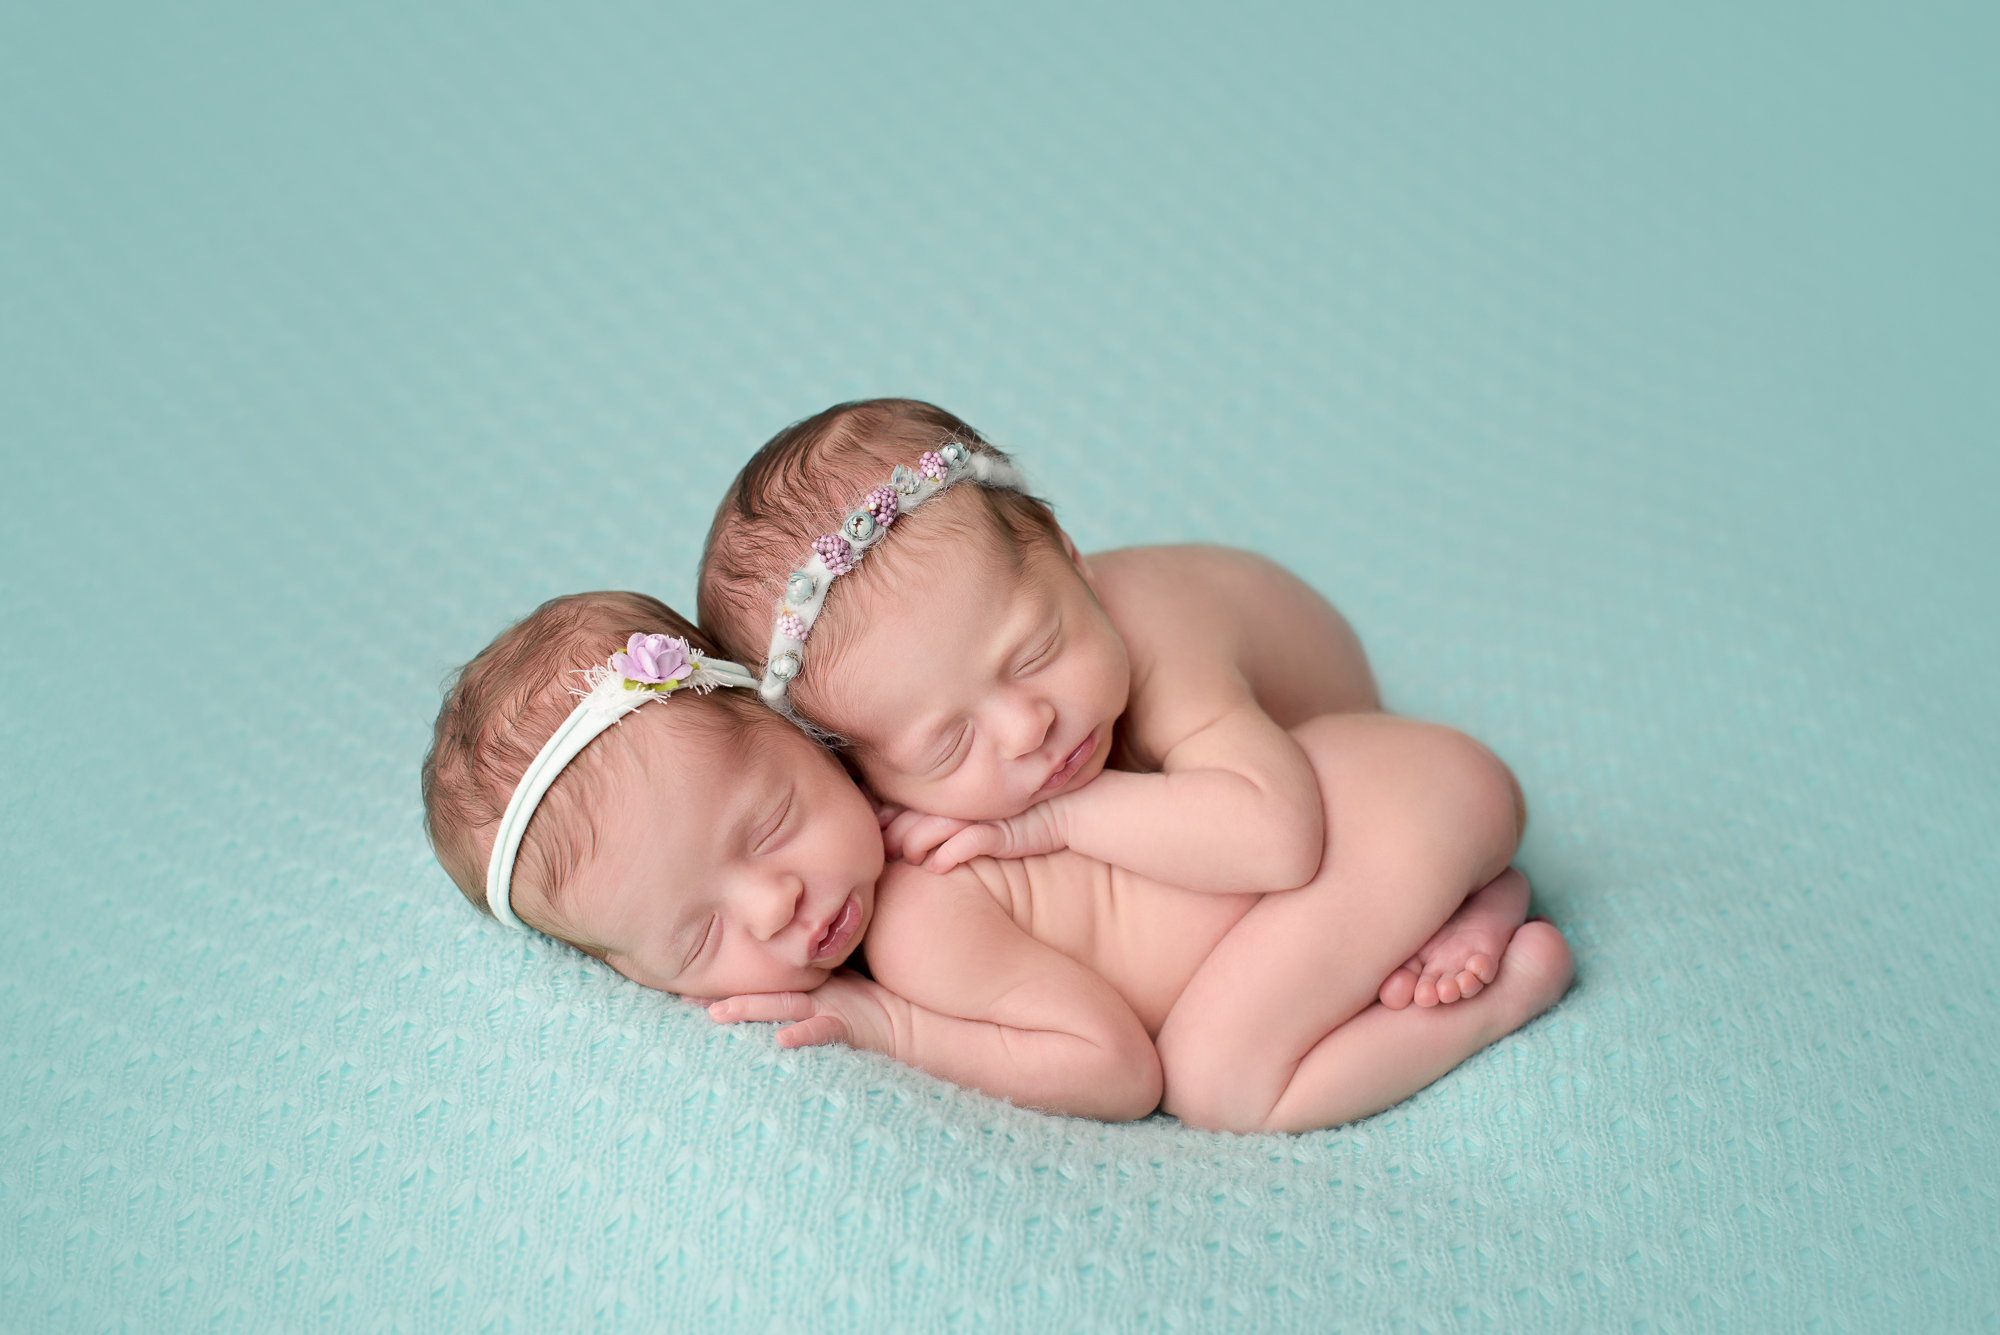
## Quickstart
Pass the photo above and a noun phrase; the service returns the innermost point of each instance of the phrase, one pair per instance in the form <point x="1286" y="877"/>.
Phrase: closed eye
<point x="953" y="754"/>
<point x="708" y="934"/>
<point x="1039" y="657"/>
<point x="776" y="827"/>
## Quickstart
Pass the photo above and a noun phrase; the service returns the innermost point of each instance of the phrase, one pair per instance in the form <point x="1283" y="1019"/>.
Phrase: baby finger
<point x="755" y="1007"/>
<point x="896" y="833"/>
<point x="971" y="842"/>
<point x="917" y="834"/>
<point x="816" y="1032"/>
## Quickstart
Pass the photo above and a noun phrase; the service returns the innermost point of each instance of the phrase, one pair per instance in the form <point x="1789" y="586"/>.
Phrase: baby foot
<point x="1536" y="971"/>
<point x="1464" y="954"/>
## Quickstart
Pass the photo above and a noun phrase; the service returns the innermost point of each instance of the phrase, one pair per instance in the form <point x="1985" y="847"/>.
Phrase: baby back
<point x="1177" y="607"/>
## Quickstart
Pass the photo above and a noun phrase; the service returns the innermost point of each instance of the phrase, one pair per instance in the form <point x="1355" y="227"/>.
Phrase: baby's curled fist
<point x="913" y="835"/>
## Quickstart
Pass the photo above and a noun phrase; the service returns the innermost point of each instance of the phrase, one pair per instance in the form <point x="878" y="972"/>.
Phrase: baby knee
<point x="1204" y="1084"/>
<point x="1487" y="796"/>
<point x="1428" y="782"/>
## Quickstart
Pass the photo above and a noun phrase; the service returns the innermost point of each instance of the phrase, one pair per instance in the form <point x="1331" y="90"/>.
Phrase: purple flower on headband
<point x="931" y="465"/>
<point x="653" y="659"/>
<point x="881" y="503"/>
<point x="835" y="551"/>
<point x="791" y="627"/>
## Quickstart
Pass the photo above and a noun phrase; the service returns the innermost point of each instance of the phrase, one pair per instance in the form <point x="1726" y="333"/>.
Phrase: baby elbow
<point x="1294" y="846"/>
<point x="1301" y="862"/>
<point x="1134" y="1089"/>
<point x="1122" y="1079"/>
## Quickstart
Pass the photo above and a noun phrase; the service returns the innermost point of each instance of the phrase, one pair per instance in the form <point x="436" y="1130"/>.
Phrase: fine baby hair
<point x="508" y="782"/>
<point x="816" y="499"/>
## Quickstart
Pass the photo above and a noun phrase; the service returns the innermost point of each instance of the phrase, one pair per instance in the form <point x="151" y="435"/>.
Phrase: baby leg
<point x="1417" y="816"/>
<point x="1382" y="1056"/>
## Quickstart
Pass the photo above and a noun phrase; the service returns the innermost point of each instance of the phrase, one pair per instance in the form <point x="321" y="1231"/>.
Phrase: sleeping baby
<point x="1203" y="963"/>
<point x="1003" y="696"/>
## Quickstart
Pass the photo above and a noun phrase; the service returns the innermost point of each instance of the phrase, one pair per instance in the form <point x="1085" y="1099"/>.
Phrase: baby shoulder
<point x="919" y="913"/>
<point x="1201" y="623"/>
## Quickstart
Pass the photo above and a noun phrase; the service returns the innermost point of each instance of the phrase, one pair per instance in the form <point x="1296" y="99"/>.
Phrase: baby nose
<point x="1024" y="725"/>
<point x="774" y="904"/>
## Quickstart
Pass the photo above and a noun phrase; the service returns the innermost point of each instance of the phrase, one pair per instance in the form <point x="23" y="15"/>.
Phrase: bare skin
<point x="1464" y="955"/>
<point x="752" y="870"/>
<point x="1018" y="702"/>
<point x="1423" y="814"/>
<point x="1171" y="675"/>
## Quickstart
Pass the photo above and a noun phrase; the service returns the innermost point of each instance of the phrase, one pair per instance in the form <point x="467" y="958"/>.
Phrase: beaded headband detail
<point x="835" y="554"/>
<point x="652" y="667"/>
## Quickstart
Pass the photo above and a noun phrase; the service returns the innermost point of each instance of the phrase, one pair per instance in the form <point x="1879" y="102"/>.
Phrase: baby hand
<point x="847" y="1008"/>
<point x="1036" y="830"/>
<point x="911" y="835"/>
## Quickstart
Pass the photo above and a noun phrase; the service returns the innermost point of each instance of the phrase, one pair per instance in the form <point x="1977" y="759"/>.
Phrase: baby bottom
<point x="1280" y="1029"/>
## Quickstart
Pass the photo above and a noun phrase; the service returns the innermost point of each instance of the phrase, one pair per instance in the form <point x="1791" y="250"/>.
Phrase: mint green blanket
<point x="1628" y="380"/>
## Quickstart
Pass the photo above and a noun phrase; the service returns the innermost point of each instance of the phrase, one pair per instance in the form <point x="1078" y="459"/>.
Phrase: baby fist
<point x="911" y="835"/>
<point x="1036" y="830"/>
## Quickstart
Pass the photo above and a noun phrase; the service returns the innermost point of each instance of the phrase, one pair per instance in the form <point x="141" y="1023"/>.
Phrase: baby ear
<point x="630" y="967"/>
<point x="1076" y="559"/>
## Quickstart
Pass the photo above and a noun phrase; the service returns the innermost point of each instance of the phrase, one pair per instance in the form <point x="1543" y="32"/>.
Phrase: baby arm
<point x="965" y="994"/>
<point x="1233" y="810"/>
<point x="1227" y="651"/>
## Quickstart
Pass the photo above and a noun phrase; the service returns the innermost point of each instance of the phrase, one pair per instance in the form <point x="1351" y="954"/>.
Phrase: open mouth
<point x="1071" y="764"/>
<point x="839" y="933"/>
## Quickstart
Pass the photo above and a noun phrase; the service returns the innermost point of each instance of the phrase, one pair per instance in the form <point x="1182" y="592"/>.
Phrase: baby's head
<point x="700" y="844"/>
<point x="965" y="664"/>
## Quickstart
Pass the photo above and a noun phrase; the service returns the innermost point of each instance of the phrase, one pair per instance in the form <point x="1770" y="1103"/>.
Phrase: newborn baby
<point x="981" y="676"/>
<point x="705" y="846"/>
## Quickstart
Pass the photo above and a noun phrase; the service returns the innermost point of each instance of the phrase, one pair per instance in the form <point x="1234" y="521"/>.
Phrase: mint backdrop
<point x="1628" y="378"/>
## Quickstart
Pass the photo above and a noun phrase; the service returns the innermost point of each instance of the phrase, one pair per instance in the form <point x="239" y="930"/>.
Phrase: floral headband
<point x="834" y="554"/>
<point x="651" y="668"/>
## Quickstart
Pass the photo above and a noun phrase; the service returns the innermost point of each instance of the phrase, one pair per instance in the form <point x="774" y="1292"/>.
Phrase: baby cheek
<point x="1108" y="679"/>
<point x="859" y="850"/>
<point x="985" y="788"/>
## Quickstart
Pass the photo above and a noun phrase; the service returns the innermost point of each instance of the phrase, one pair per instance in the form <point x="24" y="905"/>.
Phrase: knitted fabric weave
<point x="1626" y="379"/>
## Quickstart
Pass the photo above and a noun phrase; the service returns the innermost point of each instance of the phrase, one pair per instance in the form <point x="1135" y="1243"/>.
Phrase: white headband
<point x="834" y="554"/>
<point x="651" y="668"/>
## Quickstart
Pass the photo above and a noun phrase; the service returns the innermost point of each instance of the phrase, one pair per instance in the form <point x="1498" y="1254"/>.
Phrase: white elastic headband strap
<point x="834" y="554"/>
<point x="611" y="697"/>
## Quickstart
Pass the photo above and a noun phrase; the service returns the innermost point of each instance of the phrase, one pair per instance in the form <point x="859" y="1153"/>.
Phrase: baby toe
<point x="1398" y="990"/>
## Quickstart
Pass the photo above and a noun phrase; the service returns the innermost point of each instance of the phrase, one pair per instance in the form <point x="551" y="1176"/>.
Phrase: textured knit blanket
<point x="1629" y="381"/>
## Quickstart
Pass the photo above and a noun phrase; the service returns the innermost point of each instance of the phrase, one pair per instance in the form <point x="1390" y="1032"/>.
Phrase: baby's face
<point x="979" y="689"/>
<point x="721" y="865"/>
